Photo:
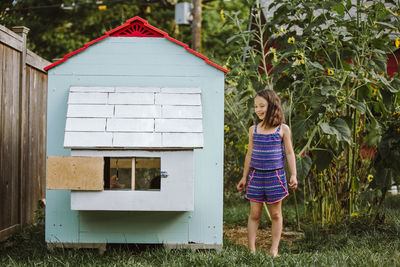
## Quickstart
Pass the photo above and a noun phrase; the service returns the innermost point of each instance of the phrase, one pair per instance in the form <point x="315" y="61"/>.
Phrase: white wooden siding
<point x="131" y="98"/>
<point x="86" y="124"/>
<point x="90" y="111"/>
<point x="134" y="117"/>
<point x="137" y="111"/>
<point x="130" y="125"/>
<point x="179" y="125"/>
<point x="87" y="98"/>
<point x="175" y="112"/>
<point x="88" y="139"/>
<point x="137" y="140"/>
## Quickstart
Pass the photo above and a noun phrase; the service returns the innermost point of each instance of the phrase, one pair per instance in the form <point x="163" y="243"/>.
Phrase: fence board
<point x="23" y="107"/>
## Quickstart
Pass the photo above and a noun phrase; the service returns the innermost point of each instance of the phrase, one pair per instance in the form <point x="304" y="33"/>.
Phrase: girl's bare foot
<point x="274" y="253"/>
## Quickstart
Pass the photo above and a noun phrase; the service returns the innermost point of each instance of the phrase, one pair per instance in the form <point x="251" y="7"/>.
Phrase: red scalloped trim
<point x="136" y="27"/>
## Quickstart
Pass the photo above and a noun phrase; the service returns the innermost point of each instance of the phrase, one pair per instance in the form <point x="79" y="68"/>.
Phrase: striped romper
<point x="267" y="179"/>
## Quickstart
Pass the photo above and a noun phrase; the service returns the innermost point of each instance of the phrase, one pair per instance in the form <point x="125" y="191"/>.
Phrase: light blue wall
<point x="123" y="61"/>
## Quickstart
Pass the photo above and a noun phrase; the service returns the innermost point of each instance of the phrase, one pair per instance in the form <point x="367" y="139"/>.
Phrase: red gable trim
<point x="136" y="27"/>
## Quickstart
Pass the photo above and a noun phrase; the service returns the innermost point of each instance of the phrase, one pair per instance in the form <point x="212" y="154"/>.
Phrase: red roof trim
<point x="126" y="26"/>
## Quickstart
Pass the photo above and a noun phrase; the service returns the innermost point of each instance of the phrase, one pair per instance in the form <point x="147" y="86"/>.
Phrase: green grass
<point x="352" y="243"/>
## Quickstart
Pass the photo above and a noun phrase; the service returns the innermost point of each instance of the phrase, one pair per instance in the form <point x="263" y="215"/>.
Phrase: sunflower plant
<point x="329" y="65"/>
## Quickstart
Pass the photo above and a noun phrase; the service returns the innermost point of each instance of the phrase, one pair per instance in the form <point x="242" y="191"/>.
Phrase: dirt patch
<point x="238" y="235"/>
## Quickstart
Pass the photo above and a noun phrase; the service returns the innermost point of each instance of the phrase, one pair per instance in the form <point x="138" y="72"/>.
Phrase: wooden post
<point x="196" y="26"/>
<point x="22" y="127"/>
<point x="133" y="174"/>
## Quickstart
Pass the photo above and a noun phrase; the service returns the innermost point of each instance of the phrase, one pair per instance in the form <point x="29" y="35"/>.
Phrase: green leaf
<point x="316" y="65"/>
<point x="339" y="128"/>
<point x="303" y="166"/>
<point x="339" y="8"/>
<point x="360" y="106"/>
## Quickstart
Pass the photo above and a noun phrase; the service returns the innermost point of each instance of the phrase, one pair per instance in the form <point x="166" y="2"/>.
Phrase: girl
<point x="269" y="142"/>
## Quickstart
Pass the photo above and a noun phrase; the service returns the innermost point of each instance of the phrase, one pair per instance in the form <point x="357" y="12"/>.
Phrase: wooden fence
<point x="23" y="101"/>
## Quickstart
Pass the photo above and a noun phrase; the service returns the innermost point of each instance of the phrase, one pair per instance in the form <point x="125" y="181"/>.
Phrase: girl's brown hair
<point x="274" y="115"/>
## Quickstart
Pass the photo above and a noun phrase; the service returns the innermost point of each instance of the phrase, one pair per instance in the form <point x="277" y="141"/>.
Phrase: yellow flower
<point x="341" y="99"/>
<point x="236" y="169"/>
<point x="231" y="143"/>
<point x="374" y="92"/>
<point x="370" y="178"/>
<point x="354" y="214"/>
<point x="246" y="146"/>
<point x="366" y="6"/>
<point x="389" y="10"/>
<point x="275" y="59"/>
<point x="226" y="128"/>
<point x="222" y="14"/>
<point x="283" y="30"/>
<point x="375" y="26"/>
<point x="333" y="41"/>
<point x="291" y="40"/>
<point x="330" y="72"/>
<point x="397" y="42"/>
<point x="277" y="33"/>
<point x="396" y="13"/>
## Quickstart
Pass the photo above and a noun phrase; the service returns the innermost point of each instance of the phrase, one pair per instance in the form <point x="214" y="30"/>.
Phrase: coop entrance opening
<point x="132" y="174"/>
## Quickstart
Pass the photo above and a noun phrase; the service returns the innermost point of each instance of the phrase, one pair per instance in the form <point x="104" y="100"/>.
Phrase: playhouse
<point x="135" y="143"/>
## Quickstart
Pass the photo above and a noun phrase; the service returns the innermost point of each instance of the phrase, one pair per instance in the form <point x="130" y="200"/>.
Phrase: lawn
<point x="352" y="243"/>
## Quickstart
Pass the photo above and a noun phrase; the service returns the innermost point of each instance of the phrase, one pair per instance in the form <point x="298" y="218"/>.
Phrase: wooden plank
<point x="137" y="140"/>
<point x="36" y="61"/>
<point x="87" y="98"/>
<point x="43" y="82"/>
<point x="179" y="125"/>
<point x="178" y="99"/>
<point x="15" y="122"/>
<point x="90" y="111"/>
<point x="24" y="148"/>
<point x="137" y="89"/>
<point x="184" y="112"/>
<point x="10" y="38"/>
<point x="85" y="124"/>
<point x="133" y="174"/>
<point x="181" y="90"/>
<point x="3" y="192"/>
<point x="88" y="139"/>
<point x="75" y="173"/>
<point x="5" y="233"/>
<point x="131" y="98"/>
<point x="92" y="89"/>
<point x="137" y="111"/>
<point x="130" y="125"/>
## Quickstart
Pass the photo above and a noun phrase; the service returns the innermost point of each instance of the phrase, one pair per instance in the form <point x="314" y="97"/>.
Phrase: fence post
<point x="22" y="127"/>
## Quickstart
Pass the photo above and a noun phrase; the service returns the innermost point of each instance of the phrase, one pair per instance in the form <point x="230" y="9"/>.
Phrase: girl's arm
<point x="242" y="183"/>
<point x="290" y="157"/>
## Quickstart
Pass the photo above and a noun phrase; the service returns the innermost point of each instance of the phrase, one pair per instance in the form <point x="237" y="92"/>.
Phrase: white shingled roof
<point x="134" y="117"/>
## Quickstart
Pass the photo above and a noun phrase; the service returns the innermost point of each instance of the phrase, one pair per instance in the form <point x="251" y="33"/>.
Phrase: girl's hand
<point x="241" y="185"/>
<point x="293" y="182"/>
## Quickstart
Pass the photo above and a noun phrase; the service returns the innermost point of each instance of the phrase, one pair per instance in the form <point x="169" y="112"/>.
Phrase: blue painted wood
<point x="61" y="222"/>
<point x="125" y="65"/>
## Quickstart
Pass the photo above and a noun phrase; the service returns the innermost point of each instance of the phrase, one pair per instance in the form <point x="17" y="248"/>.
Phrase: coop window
<point x="132" y="173"/>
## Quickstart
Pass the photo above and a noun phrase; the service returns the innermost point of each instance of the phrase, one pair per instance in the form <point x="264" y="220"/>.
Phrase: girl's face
<point x="260" y="106"/>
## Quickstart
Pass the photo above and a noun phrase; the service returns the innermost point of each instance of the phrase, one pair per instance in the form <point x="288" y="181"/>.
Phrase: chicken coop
<point x="135" y="143"/>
